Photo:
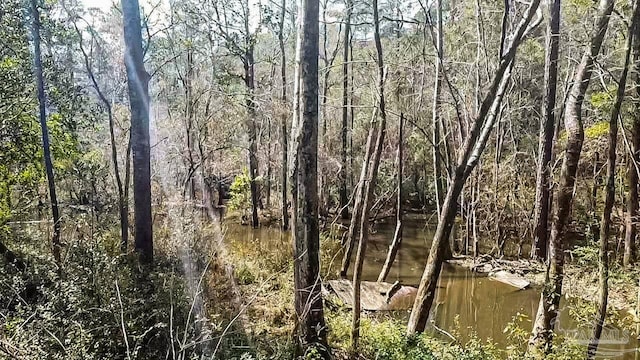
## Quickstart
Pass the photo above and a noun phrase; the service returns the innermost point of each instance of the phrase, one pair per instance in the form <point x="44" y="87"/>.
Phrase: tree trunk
<point x="249" y="76"/>
<point x="369" y="185"/>
<point x="468" y="157"/>
<point x="437" y="158"/>
<point x="349" y="241"/>
<point x="138" y="84"/>
<point x="283" y="118"/>
<point x="344" y="200"/>
<point x="48" y="163"/>
<point x="610" y="192"/>
<point x="306" y="232"/>
<point x="397" y="235"/>
<point x="545" y="148"/>
<point x="540" y="341"/>
<point x="631" y="216"/>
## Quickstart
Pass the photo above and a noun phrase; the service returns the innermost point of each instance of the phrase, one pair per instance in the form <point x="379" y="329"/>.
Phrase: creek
<point x="467" y="304"/>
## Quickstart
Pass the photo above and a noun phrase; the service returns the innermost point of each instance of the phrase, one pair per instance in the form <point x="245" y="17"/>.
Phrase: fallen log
<point x="510" y="279"/>
<point x="374" y="296"/>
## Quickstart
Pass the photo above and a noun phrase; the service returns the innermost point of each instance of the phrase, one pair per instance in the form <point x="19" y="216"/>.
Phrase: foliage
<point x="80" y="314"/>
<point x="240" y="190"/>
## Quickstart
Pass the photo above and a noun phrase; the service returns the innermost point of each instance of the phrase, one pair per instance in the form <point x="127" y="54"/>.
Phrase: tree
<point x="369" y="185"/>
<point x="540" y="341"/>
<point x="48" y="163"/>
<point x="541" y="209"/>
<point x="610" y="191"/>
<point x="631" y="215"/>
<point x="344" y="200"/>
<point x="467" y="160"/>
<point x="306" y="229"/>
<point x="138" y="85"/>
<point x="283" y="118"/>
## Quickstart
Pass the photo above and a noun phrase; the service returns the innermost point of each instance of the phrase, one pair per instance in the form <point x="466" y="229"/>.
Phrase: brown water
<point x="467" y="303"/>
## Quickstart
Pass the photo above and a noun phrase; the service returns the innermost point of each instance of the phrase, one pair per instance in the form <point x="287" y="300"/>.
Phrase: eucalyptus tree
<point x="138" y="85"/>
<point x="48" y="163"/>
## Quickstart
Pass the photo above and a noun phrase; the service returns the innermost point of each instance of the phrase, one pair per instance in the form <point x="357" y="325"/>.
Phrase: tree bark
<point x="610" y="192"/>
<point x="437" y="158"/>
<point x="426" y="291"/>
<point x="547" y="126"/>
<point x="48" y="163"/>
<point x="306" y="232"/>
<point x="540" y="341"/>
<point x="369" y="185"/>
<point x="344" y="200"/>
<point x="249" y="79"/>
<point x="283" y="118"/>
<point x="138" y="85"/>
<point x="631" y="216"/>
<point x="397" y="235"/>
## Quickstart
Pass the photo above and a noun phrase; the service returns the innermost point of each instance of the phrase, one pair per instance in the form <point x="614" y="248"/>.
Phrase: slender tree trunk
<point x="138" y="84"/>
<point x="631" y="216"/>
<point x="369" y="186"/>
<point x="249" y="74"/>
<point x="267" y="183"/>
<point x="344" y="199"/>
<point x="543" y="185"/>
<point x="283" y="118"/>
<point x="468" y="156"/>
<point x="437" y="158"/>
<point x="48" y="163"/>
<point x="540" y="341"/>
<point x="306" y="232"/>
<point x="610" y="193"/>
<point x="349" y="241"/>
<point x="397" y="235"/>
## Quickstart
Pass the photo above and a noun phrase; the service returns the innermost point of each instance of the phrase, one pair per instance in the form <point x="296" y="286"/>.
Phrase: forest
<point x="319" y="179"/>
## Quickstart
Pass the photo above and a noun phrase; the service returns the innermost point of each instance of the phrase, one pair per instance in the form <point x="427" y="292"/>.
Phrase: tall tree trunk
<point x="545" y="148"/>
<point x="48" y="163"/>
<point x="306" y="232"/>
<point x="437" y="158"/>
<point x="138" y="85"/>
<point x="249" y="76"/>
<point x="610" y="192"/>
<point x="397" y="235"/>
<point x="344" y="199"/>
<point x="631" y="216"/>
<point x="369" y="185"/>
<point x="283" y="118"/>
<point x="540" y="341"/>
<point x="468" y="156"/>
